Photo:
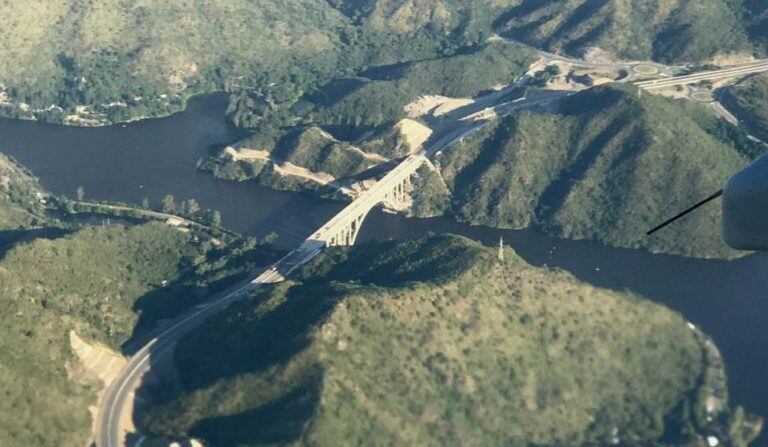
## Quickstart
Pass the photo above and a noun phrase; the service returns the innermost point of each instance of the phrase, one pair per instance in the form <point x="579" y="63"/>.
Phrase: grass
<point x="433" y="342"/>
<point x="607" y="167"/>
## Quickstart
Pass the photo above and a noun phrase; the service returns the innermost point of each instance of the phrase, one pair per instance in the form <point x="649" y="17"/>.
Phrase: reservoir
<point x="152" y="158"/>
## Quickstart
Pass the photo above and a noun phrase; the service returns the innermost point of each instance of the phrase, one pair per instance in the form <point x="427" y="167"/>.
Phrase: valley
<point x="273" y="306"/>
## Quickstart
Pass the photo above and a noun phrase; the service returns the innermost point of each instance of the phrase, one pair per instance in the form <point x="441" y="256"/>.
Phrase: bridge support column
<point x="356" y="229"/>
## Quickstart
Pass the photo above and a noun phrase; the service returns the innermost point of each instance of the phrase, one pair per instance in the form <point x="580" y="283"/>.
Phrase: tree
<point x="169" y="204"/>
<point x="192" y="206"/>
<point x="270" y="238"/>
<point x="80" y="193"/>
<point x="216" y="219"/>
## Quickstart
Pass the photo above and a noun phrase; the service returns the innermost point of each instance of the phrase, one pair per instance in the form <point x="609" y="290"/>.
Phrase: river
<point x="152" y="158"/>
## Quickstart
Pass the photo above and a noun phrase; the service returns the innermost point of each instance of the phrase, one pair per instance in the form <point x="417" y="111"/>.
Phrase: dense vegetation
<point x="375" y="100"/>
<point x="433" y="342"/>
<point x="377" y="96"/>
<point x="19" y="207"/>
<point x="750" y="99"/>
<point x="124" y="60"/>
<point x="666" y="30"/>
<point x="109" y="285"/>
<point x="609" y="166"/>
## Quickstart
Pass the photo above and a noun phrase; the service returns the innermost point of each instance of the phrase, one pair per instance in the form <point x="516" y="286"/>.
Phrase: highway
<point x="713" y="75"/>
<point x="117" y="400"/>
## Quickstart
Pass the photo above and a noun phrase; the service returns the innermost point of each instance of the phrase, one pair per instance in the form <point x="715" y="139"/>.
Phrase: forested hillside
<point x="434" y="342"/>
<point x="750" y="99"/>
<point x="109" y="285"/>
<point x="87" y="62"/>
<point x="89" y="282"/>
<point x="609" y="166"/>
<point x="664" y="30"/>
<point x="19" y="206"/>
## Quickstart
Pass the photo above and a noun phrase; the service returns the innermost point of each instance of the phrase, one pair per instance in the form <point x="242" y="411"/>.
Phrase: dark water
<point x="728" y="299"/>
<point x="152" y="158"/>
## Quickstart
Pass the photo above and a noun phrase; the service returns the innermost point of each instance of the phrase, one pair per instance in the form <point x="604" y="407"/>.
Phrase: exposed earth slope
<point x="89" y="282"/>
<point x="433" y="342"/>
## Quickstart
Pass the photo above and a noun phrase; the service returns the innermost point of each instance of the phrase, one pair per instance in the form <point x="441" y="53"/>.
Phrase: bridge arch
<point x="394" y="190"/>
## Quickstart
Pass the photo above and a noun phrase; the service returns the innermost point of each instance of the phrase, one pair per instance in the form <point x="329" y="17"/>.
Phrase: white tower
<point x="501" y="249"/>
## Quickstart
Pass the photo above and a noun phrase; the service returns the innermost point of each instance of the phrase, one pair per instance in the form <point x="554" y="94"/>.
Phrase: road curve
<point x="114" y="404"/>
<point x="115" y="401"/>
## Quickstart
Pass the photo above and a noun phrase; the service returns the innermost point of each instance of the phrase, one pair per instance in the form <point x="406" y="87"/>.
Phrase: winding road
<point x="113" y="419"/>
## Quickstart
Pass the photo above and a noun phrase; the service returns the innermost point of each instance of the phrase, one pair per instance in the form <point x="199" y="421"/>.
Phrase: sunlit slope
<point x="125" y="60"/>
<point x="94" y="282"/>
<point x="70" y="52"/>
<point x="432" y="342"/>
<point x="19" y="207"/>
<point x="609" y="166"/>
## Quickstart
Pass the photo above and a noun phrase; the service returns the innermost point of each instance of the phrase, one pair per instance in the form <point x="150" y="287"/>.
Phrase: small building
<point x="175" y="221"/>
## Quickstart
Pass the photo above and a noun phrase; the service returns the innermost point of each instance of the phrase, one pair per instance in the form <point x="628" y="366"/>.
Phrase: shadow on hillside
<point x="11" y="238"/>
<point x="525" y="8"/>
<point x="165" y="304"/>
<point x="554" y="196"/>
<point x="278" y="422"/>
<point x="244" y="340"/>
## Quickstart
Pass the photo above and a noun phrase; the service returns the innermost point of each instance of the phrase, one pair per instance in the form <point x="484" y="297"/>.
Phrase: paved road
<point x="118" y="396"/>
<point x="713" y="75"/>
<point x="117" y="399"/>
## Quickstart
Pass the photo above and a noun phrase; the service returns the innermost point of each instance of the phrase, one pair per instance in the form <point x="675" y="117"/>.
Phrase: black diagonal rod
<point x="689" y="210"/>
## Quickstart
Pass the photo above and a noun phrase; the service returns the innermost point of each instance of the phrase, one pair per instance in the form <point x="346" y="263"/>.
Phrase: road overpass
<point x="712" y="75"/>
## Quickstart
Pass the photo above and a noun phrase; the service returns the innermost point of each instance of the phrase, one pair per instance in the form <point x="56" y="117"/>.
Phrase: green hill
<point x="607" y="167"/>
<point x="109" y="284"/>
<point x="125" y="60"/>
<point x="19" y="207"/>
<point x="750" y="99"/>
<point x="113" y="61"/>
<point x="373" y="101"/>
<point x="433" y="342"/>
<point x="665" y="30"/>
